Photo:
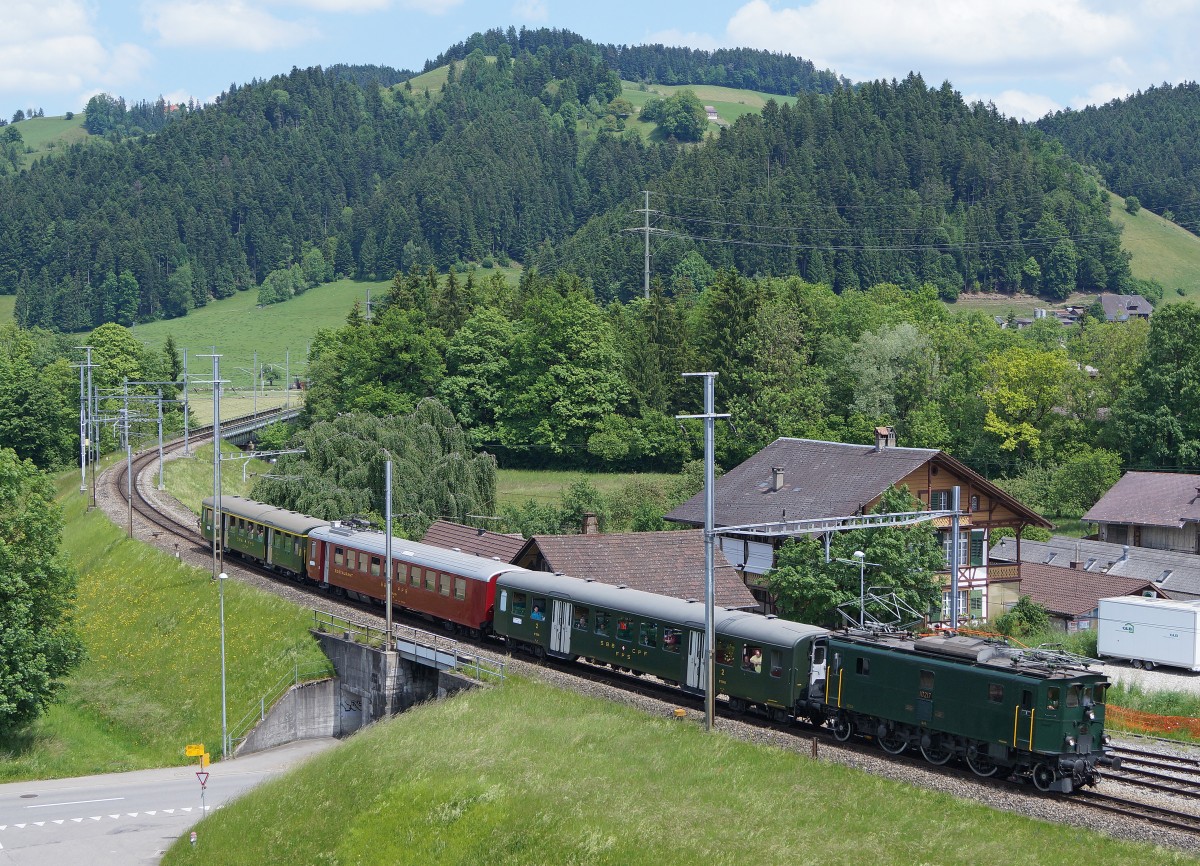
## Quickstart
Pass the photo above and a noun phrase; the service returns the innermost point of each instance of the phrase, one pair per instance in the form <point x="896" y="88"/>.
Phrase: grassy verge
<point x="526" y="774"/>
<point x="152" y="681"/>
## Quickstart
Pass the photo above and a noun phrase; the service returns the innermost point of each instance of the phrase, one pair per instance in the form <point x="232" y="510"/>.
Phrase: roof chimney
<point x="591" y="525"/>
<point x="885" y="437"/>
<point x="1077" y="563"/>
<point x="776" y="479"/>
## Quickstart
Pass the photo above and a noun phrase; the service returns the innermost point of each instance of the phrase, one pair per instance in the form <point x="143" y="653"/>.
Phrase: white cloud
<point x="1018" y="103"/>
<point x="49" y="47"/>
<point x="871" y="38"/>
<point x="690" y="40"/>
<point x="431" y="7"/>
<point x="223" y="24"/>
<point x="350" y="6"/>
<point x="531" y="10"/>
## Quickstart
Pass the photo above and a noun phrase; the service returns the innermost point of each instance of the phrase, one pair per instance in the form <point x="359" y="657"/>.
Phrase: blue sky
<point x="1026" y="56"/>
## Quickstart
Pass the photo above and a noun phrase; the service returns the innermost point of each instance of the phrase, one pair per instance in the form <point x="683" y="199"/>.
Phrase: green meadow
<point x="45" y="135"/>
<point x="151" y="682"/>
<point x="1161" y="251"/>
<point x="526" y="774"/>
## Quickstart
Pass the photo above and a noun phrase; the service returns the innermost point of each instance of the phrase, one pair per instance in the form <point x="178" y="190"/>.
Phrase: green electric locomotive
<point x="1031" y="713"/>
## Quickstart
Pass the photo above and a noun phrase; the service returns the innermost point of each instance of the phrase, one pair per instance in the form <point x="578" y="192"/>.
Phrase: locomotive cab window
<point x="648" y="635"/>
<point x="579" y="620"/>
<point x="995" y="693"/>
<point x="926" y="681"/>
<point x="1052" y="698"/>
<point x="862" y="666"/>
<point x="1026" y="699"/>
<point x="672" y="637"/>
<point x="1099" y="692"/>
<point x="520" y="603"/>
<point x="1072" y="696"/>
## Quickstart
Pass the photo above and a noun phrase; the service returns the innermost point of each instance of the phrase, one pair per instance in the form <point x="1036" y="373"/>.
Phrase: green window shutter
<point x="977" y="546"/>
<point x="976" y="603"/>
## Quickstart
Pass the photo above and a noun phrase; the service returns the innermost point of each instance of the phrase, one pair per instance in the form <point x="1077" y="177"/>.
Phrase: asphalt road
<point x="126" y="818"/>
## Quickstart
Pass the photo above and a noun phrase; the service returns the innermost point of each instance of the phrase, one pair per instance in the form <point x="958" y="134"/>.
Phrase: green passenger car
<point x="274" y="537"/>
<point x="761" y="662"/>
<point x="1034" y="714"/>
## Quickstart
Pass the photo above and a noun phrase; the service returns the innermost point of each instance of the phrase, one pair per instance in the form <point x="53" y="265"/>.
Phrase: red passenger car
<point x="445" y="585"/>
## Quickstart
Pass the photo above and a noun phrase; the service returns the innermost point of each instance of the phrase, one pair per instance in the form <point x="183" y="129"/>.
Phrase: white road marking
<point x="75" y="803"/>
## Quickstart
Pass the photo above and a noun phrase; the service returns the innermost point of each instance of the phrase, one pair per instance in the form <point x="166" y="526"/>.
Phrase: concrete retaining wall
<point x="370" y="685"/>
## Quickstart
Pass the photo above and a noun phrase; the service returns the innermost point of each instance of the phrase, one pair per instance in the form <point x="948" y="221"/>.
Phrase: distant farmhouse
<point x="1122" y="308"/>
<point x="1151" y="509"/>
<point x="797" y="479"/>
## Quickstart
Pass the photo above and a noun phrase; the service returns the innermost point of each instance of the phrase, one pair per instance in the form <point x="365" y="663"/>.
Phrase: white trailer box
<point x="1150" y="631"/>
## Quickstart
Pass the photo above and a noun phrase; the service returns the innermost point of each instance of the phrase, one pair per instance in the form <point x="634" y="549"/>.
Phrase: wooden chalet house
<point x="798" y="479"/>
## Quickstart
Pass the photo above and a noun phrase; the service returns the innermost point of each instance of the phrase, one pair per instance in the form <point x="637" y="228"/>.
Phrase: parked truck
<point x="1149" y="631"/>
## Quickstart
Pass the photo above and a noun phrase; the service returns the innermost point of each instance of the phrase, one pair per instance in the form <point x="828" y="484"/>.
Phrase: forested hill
<point x="746" y="68"/>
<point x="1147" y="146"/>
<point x="375" y="180"/>
<point x="889" y="182"/>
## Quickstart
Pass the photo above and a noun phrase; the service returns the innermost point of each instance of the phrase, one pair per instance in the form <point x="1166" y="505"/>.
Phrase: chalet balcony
<point x="1005" y="571"/>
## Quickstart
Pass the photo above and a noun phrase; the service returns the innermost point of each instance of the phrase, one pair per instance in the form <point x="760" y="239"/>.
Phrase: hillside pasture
<point x="44" y="135"/>
<point x="730" y="103"/>
<point x="1162" y="251"/>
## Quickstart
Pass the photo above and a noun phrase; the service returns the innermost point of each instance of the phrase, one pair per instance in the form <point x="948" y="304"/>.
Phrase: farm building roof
<point x="1175" y="574"/>
<point x="481" y="542"/>
<point x="667" y="563"/>
<point x="1150" y="499"/>
<point x="1073" y="591"/>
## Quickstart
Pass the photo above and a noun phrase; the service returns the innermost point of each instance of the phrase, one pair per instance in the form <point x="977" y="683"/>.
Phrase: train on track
<point x="1030" y="714"/>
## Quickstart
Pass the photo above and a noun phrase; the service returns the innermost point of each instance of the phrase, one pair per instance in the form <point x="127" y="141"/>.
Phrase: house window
<point x="939" y="500"/>
<point x="977" y="548"/>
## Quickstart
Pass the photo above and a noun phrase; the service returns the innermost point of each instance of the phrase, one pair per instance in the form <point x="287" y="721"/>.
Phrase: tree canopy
<point x="38" y="644"/>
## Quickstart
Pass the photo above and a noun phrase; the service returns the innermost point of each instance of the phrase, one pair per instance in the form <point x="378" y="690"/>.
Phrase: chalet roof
<point x="1168" y="499"/>
<point x="1073" y="592"/>
<point x="667" y="563"/>
<point x="1175" y="574"/>
<point x="1118" y="308"/>
<point x="468" y="539"/>
<point x="822" y="479"/>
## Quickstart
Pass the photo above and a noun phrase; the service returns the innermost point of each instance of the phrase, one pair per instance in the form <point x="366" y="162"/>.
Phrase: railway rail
<point x="186" y="533"/>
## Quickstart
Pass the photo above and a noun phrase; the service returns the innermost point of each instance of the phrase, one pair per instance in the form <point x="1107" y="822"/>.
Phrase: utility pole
<point x="647" y="231"/>
<point x="187" y="451"/>
<point x="954" y="558"/>
<point x="160" y="441"/>
<point x="89" y="451"/>
<point x="387" y="544"/>
<point x="218" y="552"/>
<point x="710" y="637"/>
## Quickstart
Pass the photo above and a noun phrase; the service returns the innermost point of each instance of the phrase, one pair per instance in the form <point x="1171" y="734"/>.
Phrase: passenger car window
<point x="339" y="556"/>
<point x="725" y="652"/>
<point x="580" y="619"/>
<point x="623" y="629"/>
<point x="460" y="588"/>
<point x="752" y="659"/>
<point x="445" y="584"/>
<point x="671" y="639"/>
<point x="375" y="572"/>
<point x="776" y="663"/>
<point x="539" y="610"/>
<point x="602" y="623"/>
<point x="430" y="579"/>
<point x="648" y="636"/>
<point x="520" y="602"/>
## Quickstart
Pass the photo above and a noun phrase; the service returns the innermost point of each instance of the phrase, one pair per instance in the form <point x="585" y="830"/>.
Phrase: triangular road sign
<point x="203" y="777"/>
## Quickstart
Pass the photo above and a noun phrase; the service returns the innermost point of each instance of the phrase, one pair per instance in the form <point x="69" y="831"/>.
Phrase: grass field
<point x="191" y="479"/>
<point x="1161" y="251"/>
<point x="237" y="327"/>
<point x="518" y="486"/>
<point x="151" y="682"/>
<point x="527" y="774"/>
<point x="43" y="135"/>
<point x="7" y="304"/>
<point x="729" y="102"/>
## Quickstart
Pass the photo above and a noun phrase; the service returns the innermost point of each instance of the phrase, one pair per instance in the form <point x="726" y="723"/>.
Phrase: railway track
<point x="188" y="537"/>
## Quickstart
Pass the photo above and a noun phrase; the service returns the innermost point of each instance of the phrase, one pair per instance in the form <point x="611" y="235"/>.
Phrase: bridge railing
<point x="441" y="651"/>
